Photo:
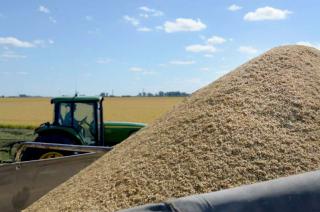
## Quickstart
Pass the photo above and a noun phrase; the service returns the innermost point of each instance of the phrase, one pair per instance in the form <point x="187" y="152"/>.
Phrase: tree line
<point x="148" y="94"/>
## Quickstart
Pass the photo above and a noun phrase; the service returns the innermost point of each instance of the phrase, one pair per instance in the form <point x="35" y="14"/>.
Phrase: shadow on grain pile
<point x="259" y="122"/>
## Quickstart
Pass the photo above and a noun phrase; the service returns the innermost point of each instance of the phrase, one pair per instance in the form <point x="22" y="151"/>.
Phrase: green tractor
<point x="79" y="121"/>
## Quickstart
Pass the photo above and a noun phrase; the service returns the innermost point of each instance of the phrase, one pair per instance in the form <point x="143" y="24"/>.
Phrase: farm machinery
<point x="79" y="121"/>
<point x="76" y="137"/>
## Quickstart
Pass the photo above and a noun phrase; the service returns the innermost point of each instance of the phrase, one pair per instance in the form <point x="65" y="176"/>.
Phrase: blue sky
<point x="56" y="47"/>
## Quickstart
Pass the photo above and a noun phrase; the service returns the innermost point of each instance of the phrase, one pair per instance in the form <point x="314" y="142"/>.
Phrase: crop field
<point x="30" y="112"/>
<point x="19" y="113"/>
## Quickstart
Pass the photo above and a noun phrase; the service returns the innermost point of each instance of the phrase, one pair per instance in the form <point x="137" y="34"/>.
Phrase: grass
<point x="17" y="126"/>
<point x="31" y="112"/>
<point x="9" y="136"/>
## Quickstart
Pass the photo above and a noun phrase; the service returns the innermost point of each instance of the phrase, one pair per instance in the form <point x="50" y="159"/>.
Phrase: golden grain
<point x="259" y="122"/>
<point x="34" y="111"/>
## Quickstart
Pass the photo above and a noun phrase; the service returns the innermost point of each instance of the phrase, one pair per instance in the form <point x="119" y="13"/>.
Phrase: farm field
<point x="30" y="112"/>
<point x="19" y="113"/>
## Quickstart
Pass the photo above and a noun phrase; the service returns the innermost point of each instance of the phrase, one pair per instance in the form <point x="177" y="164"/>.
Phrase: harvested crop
<point x="259" y="122"/>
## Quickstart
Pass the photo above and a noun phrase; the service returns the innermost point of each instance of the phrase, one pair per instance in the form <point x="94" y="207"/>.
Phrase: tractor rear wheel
<point x="36" y="154"/>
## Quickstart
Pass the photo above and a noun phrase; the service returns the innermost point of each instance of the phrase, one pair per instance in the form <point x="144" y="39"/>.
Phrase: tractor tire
<point x="37" y="154"/>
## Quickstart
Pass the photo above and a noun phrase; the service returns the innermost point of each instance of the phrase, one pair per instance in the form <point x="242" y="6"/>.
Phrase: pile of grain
<point x="259" y="122"/>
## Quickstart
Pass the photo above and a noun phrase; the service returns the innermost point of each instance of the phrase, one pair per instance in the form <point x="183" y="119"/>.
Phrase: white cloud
<point x="144" y="15"/>
<point x="103" y="60"/>
<point x="208" y="47"/>
<point x="205" y="69"/>
<point x="136" y="69"/>
<point x="200" y="48"/>
<point x="42" y="43"/>
<point x="136" y="23"/>
<point x="43" y="9"/>
<point x="11" y="55"/>
<point x="50" y="41"/>
<point x="53" y="20"/>
<point x="159" y="27"/>
<point x="208" y="55"/>
<point x="307" y="43"/>
<point x="148" y="72"/>
<point x="142" y="71"/>
<point x="234" y="7"/>
<point x="12" y="41"/>
<point x="184" y="24"/>
<point x="182" y="62"/>
<point x="89" y="18"/>
<point x="247" y="50"/>
<point x="149" y="11"/>
<point x="215" y="40"/>
<point x="162" y="65"/>
<point x="267" y="13"/>
<point x="131" y="20"/>
<point x="144" y="29"/>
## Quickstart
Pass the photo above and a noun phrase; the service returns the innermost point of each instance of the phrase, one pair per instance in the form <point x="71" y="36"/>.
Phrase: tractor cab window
<point x="65" y="115"/>
<point x="84" y="116"/>
<point x="81" y="117"/>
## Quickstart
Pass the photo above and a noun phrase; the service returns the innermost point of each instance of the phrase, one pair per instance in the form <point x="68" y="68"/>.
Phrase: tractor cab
<point x="81" y="114"/>
<point x="77" y="120"/>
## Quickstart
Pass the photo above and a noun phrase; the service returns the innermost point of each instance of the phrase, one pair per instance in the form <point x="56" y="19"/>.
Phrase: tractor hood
<point x="116" y="132"/>
<point x="114" y="124"/>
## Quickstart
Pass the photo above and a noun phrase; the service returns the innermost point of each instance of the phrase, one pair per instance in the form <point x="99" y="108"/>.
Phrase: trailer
<point x="24" y="182"/>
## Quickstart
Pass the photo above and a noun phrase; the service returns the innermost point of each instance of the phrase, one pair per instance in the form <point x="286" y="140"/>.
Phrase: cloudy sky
<point x="56" y="47"/>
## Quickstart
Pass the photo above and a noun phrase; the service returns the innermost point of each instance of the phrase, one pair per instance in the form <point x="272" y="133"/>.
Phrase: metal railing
<point x="55" y="146"/>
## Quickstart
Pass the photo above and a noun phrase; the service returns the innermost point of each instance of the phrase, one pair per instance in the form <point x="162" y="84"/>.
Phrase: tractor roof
<point x="76" y="99"/>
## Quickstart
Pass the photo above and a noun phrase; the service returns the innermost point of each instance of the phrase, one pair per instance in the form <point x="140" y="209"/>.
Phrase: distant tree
<point x="161" y="93"/>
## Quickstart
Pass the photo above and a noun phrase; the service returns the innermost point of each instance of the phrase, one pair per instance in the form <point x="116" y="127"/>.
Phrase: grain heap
<point x="259" y="122"/>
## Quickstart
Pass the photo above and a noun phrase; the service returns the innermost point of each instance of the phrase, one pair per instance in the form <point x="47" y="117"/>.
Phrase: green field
<point x="9" y="136"/>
